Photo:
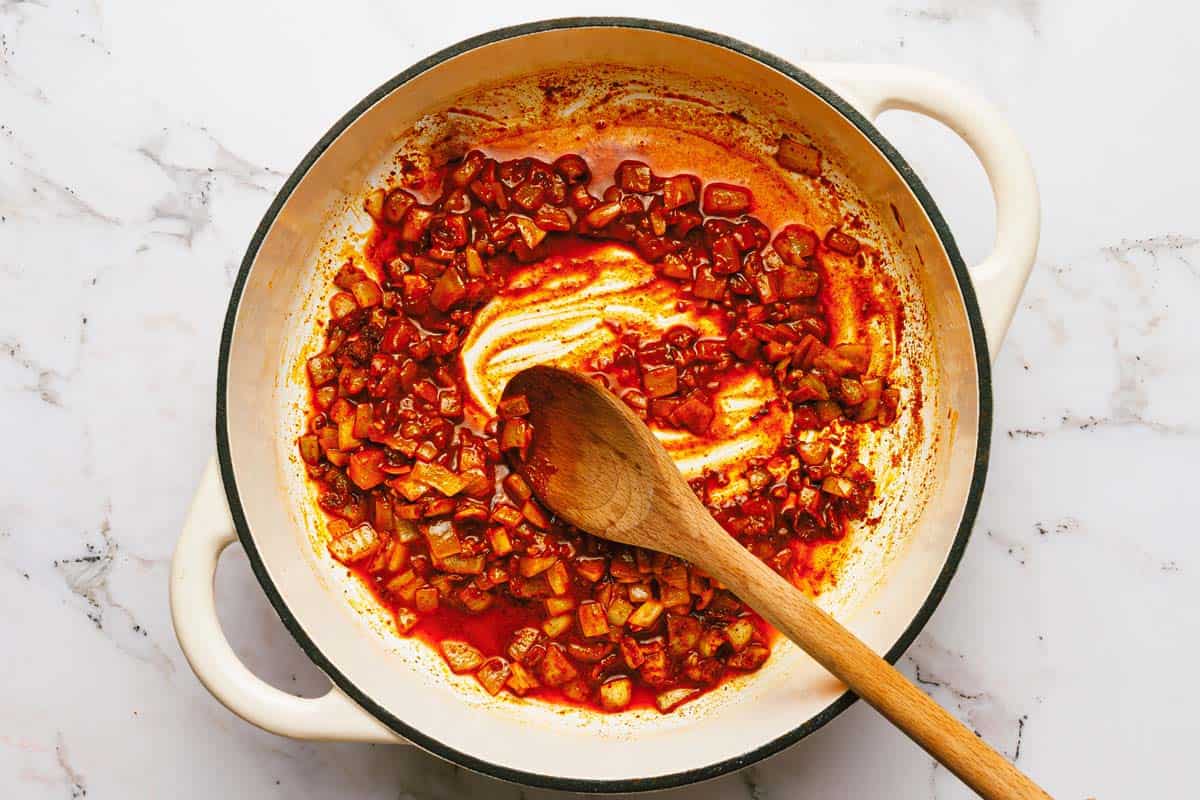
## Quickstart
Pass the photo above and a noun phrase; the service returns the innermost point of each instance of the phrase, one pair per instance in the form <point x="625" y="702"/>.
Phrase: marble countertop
<point x="141" y="142"/>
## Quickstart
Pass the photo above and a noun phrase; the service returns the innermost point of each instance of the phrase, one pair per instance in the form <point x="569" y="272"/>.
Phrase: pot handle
<point x="207" y="531"/>
<point x="999" y="278"/>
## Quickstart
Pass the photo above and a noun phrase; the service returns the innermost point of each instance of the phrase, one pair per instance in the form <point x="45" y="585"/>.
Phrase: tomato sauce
<point x="709" y="325"/>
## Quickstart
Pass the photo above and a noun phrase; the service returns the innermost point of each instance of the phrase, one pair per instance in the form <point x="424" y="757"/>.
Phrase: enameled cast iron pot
<point x="394" y="690"/>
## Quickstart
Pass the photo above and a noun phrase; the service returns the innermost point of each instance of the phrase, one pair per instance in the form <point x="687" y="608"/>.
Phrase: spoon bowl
<point x="609" y="486"/>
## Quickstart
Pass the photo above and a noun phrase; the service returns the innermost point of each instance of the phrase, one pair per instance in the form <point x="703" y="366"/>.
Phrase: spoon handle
<point x="865" y="673"/>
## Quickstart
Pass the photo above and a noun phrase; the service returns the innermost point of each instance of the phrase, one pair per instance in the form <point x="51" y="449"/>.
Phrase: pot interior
<point x="683" y="105"/>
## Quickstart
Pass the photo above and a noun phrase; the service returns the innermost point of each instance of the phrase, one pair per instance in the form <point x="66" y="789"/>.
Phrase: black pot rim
<point x="709" y="771"/>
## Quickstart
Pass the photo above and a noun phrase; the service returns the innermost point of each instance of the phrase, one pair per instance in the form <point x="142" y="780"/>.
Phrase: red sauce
<point x="413" y="461"/>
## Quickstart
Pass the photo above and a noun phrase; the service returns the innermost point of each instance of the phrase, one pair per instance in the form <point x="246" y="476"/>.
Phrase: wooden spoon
<point x="599" y="467"/>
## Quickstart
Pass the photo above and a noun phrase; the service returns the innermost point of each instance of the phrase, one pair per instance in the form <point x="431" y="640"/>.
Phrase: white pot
<point x="395" y="690"/>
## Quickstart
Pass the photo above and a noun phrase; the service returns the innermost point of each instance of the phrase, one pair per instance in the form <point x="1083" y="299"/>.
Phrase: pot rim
<point x="814" y="723"/>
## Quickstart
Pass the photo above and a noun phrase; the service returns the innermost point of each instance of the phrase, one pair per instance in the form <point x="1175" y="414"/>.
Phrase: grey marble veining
<point x="141" y="143"/>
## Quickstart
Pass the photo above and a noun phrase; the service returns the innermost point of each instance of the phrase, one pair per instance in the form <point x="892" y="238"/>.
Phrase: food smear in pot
<point x="707" y="323"/>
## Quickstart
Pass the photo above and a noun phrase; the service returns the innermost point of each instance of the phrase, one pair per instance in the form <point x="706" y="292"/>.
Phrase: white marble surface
<point x="141" y="142"/>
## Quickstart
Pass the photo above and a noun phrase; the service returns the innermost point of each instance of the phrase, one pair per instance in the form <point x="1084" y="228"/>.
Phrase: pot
<point x="519" y="87"/>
